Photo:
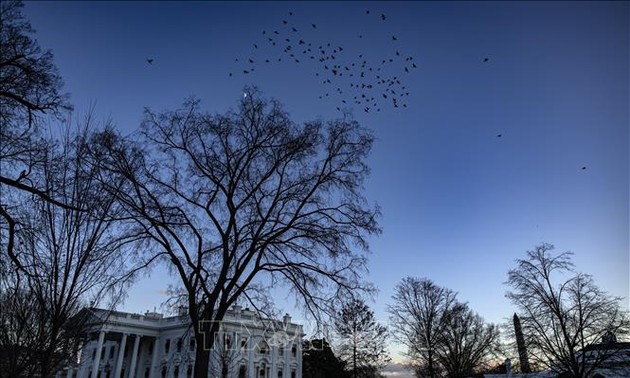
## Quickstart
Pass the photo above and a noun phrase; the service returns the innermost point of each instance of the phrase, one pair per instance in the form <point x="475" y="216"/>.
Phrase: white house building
<point x="124" y="345"/>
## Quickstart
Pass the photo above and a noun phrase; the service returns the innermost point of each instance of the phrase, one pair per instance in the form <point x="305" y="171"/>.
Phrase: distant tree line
<point x="564" y="323"/>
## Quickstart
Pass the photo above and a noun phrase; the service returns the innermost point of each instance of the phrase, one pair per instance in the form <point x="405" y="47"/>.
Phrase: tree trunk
<point x="431" y="372"/>
<point x="204" y="336"/>
<point x="354" y="350"/>
<point x="202" y="361"/>
<point x="354" y="357"/>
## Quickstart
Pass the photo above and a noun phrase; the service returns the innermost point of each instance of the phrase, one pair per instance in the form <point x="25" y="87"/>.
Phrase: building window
<point x="227" y="341"/>
<point x="280" y="373"/>
<point x="243" y="342"/>
<point x="179" y="347"/>
<point x="163" y="371"/>
<point x="176" y="372"/>
<point x="167" y="346"/>
<point x="111" y="353"/>
<point x="147" y="372"/>
<point x="294" y="350"/>
<point x="94" y="354"/>
<point x="151" y="348"/>
<point x="293" y="374"/>
<point x="189" y="371"/>
<point x="281" y="350"/>
<point x="192" y="344"/>
<point x="242" y="372"/>
<point x="263" y="348"/>
<point x="102" y="354"/>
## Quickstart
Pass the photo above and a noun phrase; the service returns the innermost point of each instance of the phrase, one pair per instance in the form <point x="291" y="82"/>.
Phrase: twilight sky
<point x="459" y="203"/>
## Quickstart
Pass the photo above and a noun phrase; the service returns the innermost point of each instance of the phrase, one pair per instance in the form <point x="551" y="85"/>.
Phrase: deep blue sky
<point x="459" y="204"/>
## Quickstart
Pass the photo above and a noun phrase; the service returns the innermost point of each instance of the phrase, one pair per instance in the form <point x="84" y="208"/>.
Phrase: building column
<point x="134" y="357"/>
<point x="97" y="358"/>
<point x="154" y="358"/>
<point x="274" y="367"/>
<point x="251" y="370"/>
<point x="140" y="358"/>
<point x="286" y="371"/>
<point x="121" y="356"/>
<point x="298" y="372"/>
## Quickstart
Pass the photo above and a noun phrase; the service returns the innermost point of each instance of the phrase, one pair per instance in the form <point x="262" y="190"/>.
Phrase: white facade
<point x="152" y="346"/>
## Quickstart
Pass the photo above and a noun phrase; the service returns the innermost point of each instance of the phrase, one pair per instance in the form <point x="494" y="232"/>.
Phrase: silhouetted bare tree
<point x="225" y="357"/>
<point x="466" y="345"/>
<point x="235" y="198"/>
<point x="563" y="319"/>
<point x="362" y="341"/>
<point x="29" y="87"/>
<point x="69" y="257"/>
<point x="443" y="336"/>
<point x="418" y="318"/>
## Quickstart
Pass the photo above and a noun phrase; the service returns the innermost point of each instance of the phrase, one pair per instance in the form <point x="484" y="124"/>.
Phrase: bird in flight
<point x="583" y="168"/>
<point x="485" y="59"/>
<point x="383" y="17"/>
<point x="150" y="60"/>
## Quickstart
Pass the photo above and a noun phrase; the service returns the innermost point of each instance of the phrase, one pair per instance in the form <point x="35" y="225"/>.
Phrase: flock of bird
<point x="352" y="79"/>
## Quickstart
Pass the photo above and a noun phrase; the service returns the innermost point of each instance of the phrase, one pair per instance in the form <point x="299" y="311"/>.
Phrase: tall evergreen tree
<point x="319" y="360"/>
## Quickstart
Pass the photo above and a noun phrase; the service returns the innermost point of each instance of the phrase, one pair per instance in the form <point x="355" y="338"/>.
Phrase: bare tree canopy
<point x="418" y="319"/>
<point x="246" y="196"/>
<point x="362" y="341"/>
<point x="563" y="314"/>
<point x="29" y="87"/>
<point x="442" y="335"/>
<point x="29" y="82"/>
<point x="467" y="344"/>
<point x="68" y="258"/>
<point x="225" y="358"/>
